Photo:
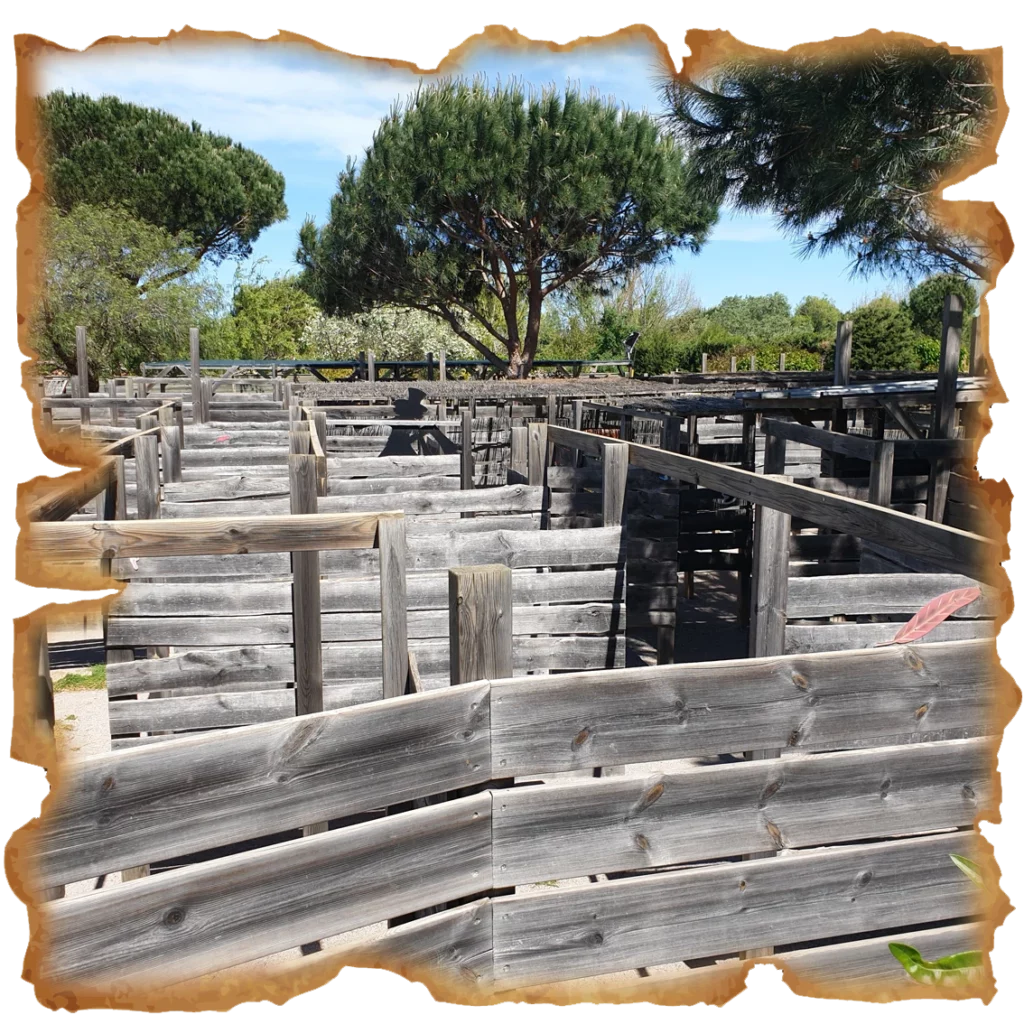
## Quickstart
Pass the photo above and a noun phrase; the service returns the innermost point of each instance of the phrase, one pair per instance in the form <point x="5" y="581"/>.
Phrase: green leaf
<point x="969" y="868"/>
<point x="957" y="969"/>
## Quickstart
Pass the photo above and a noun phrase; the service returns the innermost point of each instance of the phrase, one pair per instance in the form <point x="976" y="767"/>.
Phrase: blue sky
<point x="307" y="110"/>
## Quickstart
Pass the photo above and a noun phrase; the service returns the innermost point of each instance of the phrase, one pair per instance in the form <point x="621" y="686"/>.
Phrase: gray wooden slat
<point x="716" y="910"/>
<point x="855" y="636"/>
<point x="228" y="911"/>
<point x="263" y="485"/>
<point x="808" y="702"/>
<point x="219" y="631"/>
<point x="424" y="590"/>
<point x="882" y="594"/>
<point x="121" y="809"/>
<point x="451" y="949"/>
<point x="572" y="829"/>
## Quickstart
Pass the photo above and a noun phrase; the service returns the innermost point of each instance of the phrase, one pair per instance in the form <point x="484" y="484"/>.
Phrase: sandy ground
<point x="706" y="630"/>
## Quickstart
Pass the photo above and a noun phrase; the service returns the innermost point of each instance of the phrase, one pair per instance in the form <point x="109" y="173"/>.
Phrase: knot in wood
<point x="174" y="917"/>
<point x="108" y="784"/>
<point x="911" y="659"/>
<point x="800" y="681"/>
<point x="769" y="791"/>
<point x="921" y="712"/>
<point x="884" y="788"/>
<point x="580" y="738"/>
<point x="968" y="792"/>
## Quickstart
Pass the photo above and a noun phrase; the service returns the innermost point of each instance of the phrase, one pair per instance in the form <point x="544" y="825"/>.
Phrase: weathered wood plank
<point x="221" y="630"/>
<point x="809" y="702"/>
<point x="268" y="485"/>
<point x="636" y="822"/>
<point x="206" y="791"/>
<point x="706" y="911"/>
<point x="882" y="594"/>
<point x="228" y="911"/>
<point x="423" y="591"/>
<point x="480" y="622"/>
<point x="855" y="636"/>
<point x="391" y="544"/>
<point x="239" y="535"/>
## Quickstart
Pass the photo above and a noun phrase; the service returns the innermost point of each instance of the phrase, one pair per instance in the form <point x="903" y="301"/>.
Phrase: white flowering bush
<point x="390" y="332"/>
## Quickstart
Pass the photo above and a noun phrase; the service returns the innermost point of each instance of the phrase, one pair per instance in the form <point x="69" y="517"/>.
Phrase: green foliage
<point x="883" y="337"/>
<point x="926" y="301"/>
<point x="756" y="317"/>
<point x="94" y="679"/>
<point x="822" y="315"/>
<point x="480" y="203"/>
<point x="267" y="321"/>
<point x="133" y="286"/>
<point x="958" y="969"/>
<point x="657" y="352"/>
<point x="159" y="170"/>
<point x="847" y="146"/>
<point x="390" y="332"/>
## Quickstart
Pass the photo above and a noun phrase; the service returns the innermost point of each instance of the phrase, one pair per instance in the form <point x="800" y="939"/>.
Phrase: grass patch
<point x="94" y="679"/>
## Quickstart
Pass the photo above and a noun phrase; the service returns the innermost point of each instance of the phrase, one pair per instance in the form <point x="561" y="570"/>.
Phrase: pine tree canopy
<point x="481" y="202"/>
<point x="846" y="148"/>
<point x="158" y="170"/>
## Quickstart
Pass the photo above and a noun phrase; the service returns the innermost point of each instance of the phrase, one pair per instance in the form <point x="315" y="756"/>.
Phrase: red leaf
<point x="937" y="610"/>
<point x="223" y="437"/>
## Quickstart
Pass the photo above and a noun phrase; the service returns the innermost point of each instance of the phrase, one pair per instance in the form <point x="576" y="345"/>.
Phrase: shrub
<point x="925" y="302"/>
<point x="883" y="337"/>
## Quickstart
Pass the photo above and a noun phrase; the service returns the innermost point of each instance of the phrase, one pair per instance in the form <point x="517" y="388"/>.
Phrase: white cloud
<point x="292" y="93"/>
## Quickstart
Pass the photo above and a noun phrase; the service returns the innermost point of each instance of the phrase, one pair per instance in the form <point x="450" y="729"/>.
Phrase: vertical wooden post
<point x="147" y="477"/>
<point x="371" y="367"/>
<point x="732" y="364"/>
<point x="480" y="623"/>
<point x="116" y="506"/>
<point x="199" y="413"/>
<point x="880" y="485"/>
<point x="944" y="410"/>
<point x="393" y="616"/>
<point x="782" y="361"/>
<point x="115" y="413"/>
<point x="306" y="637"/>
<point x="518" y="458"/>
<point x="82" y="361"/>
<point x="320" y="426"/>
<point x="466" y="459"/>
<point x="841" y="375"/>
<point x="179" y="416"/>
<point x="774" y="455"/>
<point x="977" y="365"/>
<point x="769" y="589"/>
<point x="577" y="414"/>
<point x="442" y="366"/>
<point x="703" y="362"/>
<point x="749" y="440"/>
<point x="625" y="428"/>
<point x="614" y="467"/>
<point x="286" y="394"/>
<point x="753" y="362"/>
<point x="430" y="366"/>
<point x="170" y="444"/>
<point x="537" y="450"/>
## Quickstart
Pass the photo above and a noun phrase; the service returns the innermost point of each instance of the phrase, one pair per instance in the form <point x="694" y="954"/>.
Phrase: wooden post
<point x="83" y="372"/>
<point x="749" y="440"/>
<point x="466" y="460"/>
<point x="782" y="361"/>
<point x="371" y="367"/>
<point x="614" y="466"/>
<point x="199" y="414"/>
<point x="393" y="616"/>
<point x="170" y="444"/>
<point x="880" y="486"/>
<point x="944" y="410"/>
<point x="703" y="362"/>
<point x="430" y="366"/>
<point x="518" y="457"/>
<point x="442" y="366"/>
<point x="977" y="366"/>
<point x="306" y="638"/>
<point x="480" y="623"/>
<point x="774" y="455"/>
<point x="179" y="416"/>
<point x="147" y="477"/>
<point x="753" y="362"/>
<point x="320" y="428"/>
<point x="844" y="348"/>
<point x="115" y="413"/>
<point x="625" y="427"/>
<point x="732" y="364"/>
<point x="537" y="450"/>
<point x="286" y="394"/>
<point x="769" y="593"/>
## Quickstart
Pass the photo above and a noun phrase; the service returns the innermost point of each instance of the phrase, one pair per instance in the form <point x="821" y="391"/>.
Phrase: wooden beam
<point x="943" y="546"/>
<point x="944" y="410"/>
<point x="309" y="678"/>
<point x="614" y="467"/>
<point x="480" y="622"/>
<point x="391" y="541"/>
<point x="67" y="494"/>
<point x="466" y="463"/>
<point x="880" y="485"/>
<point x="170" y="444"/>
<point x="82" y="360"/>
<point x="216" y="536"/>
<point x="147" y="476"/>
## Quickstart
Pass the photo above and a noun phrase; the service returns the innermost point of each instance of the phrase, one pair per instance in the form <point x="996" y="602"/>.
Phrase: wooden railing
<point x="136" y="806"/>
